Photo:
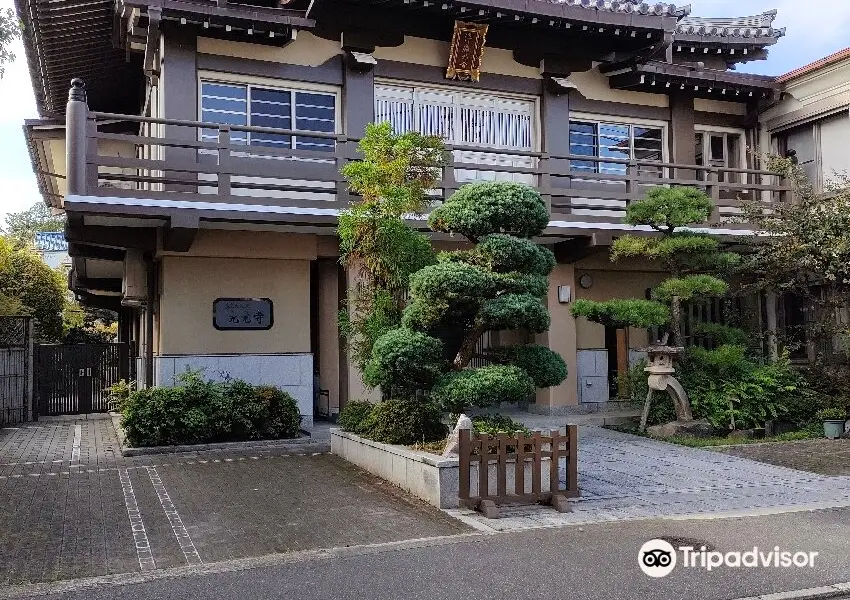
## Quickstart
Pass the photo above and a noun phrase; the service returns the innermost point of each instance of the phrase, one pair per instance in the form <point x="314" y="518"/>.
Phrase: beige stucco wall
<point x="230" y="243"/>
<point x="189" y="285"/>
<point x="561" y="338"/>
<point x="809" y="96"/>
<point x="720" y="106"/>
<point x="307" y="50"/>
<point x="593" y="85"/>
<point x="435" y="53"/>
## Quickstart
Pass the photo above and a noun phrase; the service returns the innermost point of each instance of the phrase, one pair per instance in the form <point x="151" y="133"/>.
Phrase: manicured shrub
<point x="486" y="386"/>
<point x="353" y="414"/>
<point x="497" y="423"/>
<point x="545" y="367"/>
<point x="403" y="361"/>
<point x="404" y="421"/>
<point x="197" y="411"/>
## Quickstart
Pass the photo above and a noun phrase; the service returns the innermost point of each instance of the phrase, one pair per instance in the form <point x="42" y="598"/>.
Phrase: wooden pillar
<point x="358" y="100"/>
<point x="770" y="311"/>
<point x="76" y="117"/>
<point x="682" y="131"/>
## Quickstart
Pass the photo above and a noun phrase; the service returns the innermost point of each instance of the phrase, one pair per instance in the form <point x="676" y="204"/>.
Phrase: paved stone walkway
<point x="623" y="476"/>
<point x="71" y="506"/>
<point x="825" y="457"/>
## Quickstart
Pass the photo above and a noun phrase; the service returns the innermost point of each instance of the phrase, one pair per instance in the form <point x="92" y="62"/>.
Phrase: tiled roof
<point x="756" y="26"/>
<point x="823" y="62"/>
<point x="631" y="6"/>
<point x="51" y="241"/>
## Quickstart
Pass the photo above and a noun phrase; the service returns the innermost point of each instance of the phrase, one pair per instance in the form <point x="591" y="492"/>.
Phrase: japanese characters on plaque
<point x="243" y="313"/>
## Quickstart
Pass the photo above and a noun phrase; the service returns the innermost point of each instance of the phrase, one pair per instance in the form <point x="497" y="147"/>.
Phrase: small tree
<point x="805" y="250"/>
<point x="497" y="285"/>
<point x="28" y="286"/>
<point x="10" y="30"/>
<point x="689" y="257"/>
<point x="392" y="180"/>
<point x="22" y="226"/>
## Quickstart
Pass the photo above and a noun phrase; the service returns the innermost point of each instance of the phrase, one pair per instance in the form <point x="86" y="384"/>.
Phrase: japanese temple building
<point x="227" y="259"/>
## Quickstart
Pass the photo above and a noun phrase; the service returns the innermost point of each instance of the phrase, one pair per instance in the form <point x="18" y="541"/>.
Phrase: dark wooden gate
<point x="72" y="377"/>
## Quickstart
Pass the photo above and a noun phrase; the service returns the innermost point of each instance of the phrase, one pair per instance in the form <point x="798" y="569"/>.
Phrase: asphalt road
<point x="589" y="562"/>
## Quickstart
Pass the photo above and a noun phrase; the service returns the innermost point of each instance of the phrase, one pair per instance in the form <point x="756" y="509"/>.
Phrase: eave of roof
<point x="814" y="66"/>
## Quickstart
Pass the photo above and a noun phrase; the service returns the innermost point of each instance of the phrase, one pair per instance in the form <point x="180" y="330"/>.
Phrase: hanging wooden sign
<point x="466" y="51"/>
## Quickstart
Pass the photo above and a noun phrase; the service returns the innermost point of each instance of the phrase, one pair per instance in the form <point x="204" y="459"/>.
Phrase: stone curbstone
<point x="305" y="444"/>
<point x="818" y="593"/>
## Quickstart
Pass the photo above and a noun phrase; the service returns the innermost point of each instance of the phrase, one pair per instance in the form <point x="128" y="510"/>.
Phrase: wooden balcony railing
<point x="171" y="160"/>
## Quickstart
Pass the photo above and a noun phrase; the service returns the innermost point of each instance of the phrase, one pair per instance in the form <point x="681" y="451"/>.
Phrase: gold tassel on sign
<point x="466" y="51"/>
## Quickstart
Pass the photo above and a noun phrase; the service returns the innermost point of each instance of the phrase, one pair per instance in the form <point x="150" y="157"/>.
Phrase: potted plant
<point x="833" y="422"/>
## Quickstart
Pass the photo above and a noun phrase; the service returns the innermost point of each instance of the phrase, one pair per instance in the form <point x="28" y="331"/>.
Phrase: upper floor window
<point x="460" y="118"/>
<point x="621" y="141"/>
<point x="273" y="107"/>
<point x="722" y="149"/>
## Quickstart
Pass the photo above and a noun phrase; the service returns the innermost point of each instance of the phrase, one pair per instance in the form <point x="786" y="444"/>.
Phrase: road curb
<point x="818" y="593"/>
<point x="305" y="444"/>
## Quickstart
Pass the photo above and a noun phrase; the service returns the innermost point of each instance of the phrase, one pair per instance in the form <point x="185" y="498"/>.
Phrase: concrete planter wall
<point x="432" y="478"/>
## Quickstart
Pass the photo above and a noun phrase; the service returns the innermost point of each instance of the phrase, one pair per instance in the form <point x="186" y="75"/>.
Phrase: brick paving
<point x="71" y="506"/>
<point x="824" y="457"/>
<point x="623" y="476"/>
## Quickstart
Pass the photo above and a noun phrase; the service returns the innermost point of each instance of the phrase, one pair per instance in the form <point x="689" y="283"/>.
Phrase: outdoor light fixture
<point x="564" y="294"/>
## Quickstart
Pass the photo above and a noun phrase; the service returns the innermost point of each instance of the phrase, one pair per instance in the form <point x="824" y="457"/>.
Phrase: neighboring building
<point x="53" y="249"/>
<point x="812" y="121"/>
<point x="175" y="221"/>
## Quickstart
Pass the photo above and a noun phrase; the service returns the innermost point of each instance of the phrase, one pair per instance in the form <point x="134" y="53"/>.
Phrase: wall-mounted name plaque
<point x="242" y="313"/>
<point x="466" y="51"/>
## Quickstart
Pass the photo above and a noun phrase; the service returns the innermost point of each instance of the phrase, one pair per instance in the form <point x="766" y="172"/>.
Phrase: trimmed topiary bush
<point x="545" y="367"/>
<point x="198" y="411"/>
<point x="404" y="361"/>
<point x="404" y="421"/>
<point x="353" y="414"/>
<point x="485" y="386"/>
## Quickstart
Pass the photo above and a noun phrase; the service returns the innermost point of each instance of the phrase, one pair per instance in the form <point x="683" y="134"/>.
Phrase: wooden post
<point x="502" y="464"/>
<point x="622" y="362"/>
<point x="464" y="457"/>
<point x="76" y="123"/>
<point x="572" y="461"/>
<point x="223" y="161"/>
<point x="519" y="468"/>
<point x="483" y="465"/>
<point x="537" y="446"/>
<point x="554" y="461"/>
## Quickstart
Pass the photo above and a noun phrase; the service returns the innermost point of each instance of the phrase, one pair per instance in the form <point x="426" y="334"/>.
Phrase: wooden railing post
<point x="544" y="180"/>
<point x="502" y="465"/>
<point x="631" y="182"/>
<point x="554" y="462"/>
<point x="76" y="125"/>
<point x="449" y="177"/>
<point x="464" y="457"/>
<point x="341" y="151"/>
<point x="483" y="465"/>
<point x="223" y="161"/>
<point x="712" y="189"/>
<point x="519" y="469"/>
<point x="572" y="461"/>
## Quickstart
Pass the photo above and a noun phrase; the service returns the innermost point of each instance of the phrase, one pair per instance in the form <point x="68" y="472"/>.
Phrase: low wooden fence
<point x="520" y="464"/>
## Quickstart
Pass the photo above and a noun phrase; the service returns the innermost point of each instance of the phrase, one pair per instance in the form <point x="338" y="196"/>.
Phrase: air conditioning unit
<point x="135" y="282"/>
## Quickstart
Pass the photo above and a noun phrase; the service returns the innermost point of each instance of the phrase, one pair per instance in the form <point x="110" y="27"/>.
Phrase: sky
<point x="815" y="28"/>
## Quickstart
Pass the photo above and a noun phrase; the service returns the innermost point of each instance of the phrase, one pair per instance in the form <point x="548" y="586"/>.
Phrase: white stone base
<point x="427" y="476"/>
<point x="293" y="373"/>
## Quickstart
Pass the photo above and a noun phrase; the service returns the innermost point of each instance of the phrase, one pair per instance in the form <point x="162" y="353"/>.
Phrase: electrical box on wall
<point x="565" y="294"/>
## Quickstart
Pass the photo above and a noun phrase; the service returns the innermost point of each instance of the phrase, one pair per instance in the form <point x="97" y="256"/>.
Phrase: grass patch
<point x="707" y="442"/>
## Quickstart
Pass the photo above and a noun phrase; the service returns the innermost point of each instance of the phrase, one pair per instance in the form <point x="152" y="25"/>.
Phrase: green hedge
<point x="197" y="411"/>
<point x="397" y="421"/>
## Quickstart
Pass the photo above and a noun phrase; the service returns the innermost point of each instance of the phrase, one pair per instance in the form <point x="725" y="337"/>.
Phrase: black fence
<point x="16" y="365"/>
<point x="72" y="378"/>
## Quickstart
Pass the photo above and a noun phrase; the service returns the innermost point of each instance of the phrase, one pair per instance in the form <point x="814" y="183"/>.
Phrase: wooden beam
<point x="142" y="238"/>
<point x="573" y="250"/>
<point x="180" y="233"/>
<point x="97" y="252"/>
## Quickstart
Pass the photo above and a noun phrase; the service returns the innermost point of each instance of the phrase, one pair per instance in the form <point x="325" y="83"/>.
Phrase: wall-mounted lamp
<point x="565" y="294"/>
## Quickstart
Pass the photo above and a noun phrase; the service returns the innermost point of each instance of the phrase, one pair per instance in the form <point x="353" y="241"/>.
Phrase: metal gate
<point x="16" y="365"/>
<point x="72" y="378"/>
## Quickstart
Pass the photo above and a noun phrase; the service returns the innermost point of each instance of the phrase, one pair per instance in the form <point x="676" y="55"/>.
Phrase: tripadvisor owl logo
<point x="657" y="558"/>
